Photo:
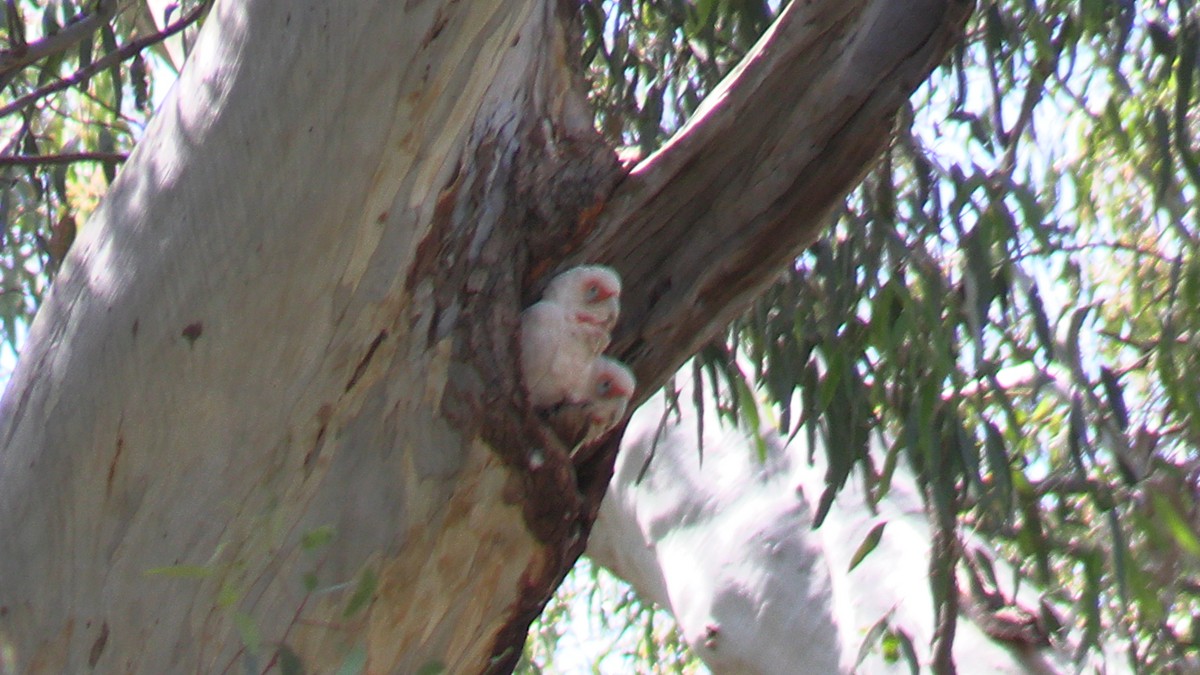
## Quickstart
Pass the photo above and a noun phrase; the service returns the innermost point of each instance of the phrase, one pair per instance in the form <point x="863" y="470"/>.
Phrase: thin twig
<point x="21" y="55"/>
<point x="128" y="50"/>
<point x="16" y="27"/>
<point x="62" y="158"/>
<point x="945" y="553"/>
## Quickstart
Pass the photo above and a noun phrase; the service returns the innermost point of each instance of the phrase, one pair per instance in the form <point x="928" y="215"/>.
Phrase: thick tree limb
<point x="701" y="227"/>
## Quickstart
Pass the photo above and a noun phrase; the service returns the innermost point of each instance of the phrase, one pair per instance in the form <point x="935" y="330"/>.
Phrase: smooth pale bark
<point x="237" y="354"/>
<point x="270" y="408"/>
<point x="727" y="546"/>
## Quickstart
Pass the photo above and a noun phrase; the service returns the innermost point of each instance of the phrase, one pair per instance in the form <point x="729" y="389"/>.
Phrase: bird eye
<point x="593" y="291"/>
<point x="605" y="387"/>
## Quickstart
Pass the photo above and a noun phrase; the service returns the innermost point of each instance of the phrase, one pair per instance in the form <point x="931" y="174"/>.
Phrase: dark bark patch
<point x="429" y="250"/>
<point x="134" y="330"/>
<point x="366" y="359"/>
<point x="564" y="189"/>
<point x="192" y="332"/>
<point x="98" y="646"/>
<point x="439" y="24"/>
<point x="112" y="466"/>
<point x="310" y="457"/>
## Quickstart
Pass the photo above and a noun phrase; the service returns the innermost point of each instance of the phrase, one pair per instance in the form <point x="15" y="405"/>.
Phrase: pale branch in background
<point x="728" y="547"/>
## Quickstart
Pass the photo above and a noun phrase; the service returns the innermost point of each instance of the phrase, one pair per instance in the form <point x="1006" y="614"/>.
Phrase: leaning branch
<point x="704" y="225"/>
<point x="126" y="51"/>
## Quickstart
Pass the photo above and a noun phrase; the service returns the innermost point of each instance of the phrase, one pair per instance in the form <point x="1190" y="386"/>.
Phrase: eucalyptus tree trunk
<point x="270" y="412"/>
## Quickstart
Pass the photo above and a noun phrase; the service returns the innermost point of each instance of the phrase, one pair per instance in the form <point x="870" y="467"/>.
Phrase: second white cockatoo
<point x="610" y="388"/>
<point x="563" y="333"/>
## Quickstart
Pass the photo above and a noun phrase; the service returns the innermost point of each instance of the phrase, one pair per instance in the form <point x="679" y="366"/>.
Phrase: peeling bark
<point x="270" y="408"/>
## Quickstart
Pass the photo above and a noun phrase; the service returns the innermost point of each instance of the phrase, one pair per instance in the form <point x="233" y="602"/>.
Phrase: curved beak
<point x="603" y="294"/>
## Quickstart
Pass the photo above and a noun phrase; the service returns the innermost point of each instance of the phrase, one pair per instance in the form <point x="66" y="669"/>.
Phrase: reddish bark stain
<point x="98" y="646"/>
<point x="324" y="415"/>
<point x="439" y="24"/>
<point x="192" y="332"/>
<point x="112" y="466"/>
<point x="429" y="250"/>
<point x="311" y="455"/>
<point x="366" y="359"/>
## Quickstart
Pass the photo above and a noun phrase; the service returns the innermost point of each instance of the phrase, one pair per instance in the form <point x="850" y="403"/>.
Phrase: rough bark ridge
<point x="270" y="409"/>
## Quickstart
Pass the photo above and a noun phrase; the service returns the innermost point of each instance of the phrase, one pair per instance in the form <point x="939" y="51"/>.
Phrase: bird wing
<point x="543" y="328"/>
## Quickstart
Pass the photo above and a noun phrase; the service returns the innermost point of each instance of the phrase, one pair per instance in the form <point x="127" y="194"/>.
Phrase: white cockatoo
<point x="563" y="333"/>
<point x="579" y="424"/>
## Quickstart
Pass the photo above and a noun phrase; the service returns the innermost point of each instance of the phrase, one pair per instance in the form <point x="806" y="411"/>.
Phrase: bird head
<point x="612" y="388"/>
<point x="593" y="292"/>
